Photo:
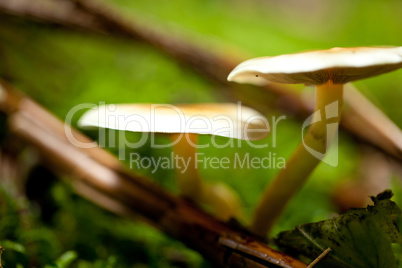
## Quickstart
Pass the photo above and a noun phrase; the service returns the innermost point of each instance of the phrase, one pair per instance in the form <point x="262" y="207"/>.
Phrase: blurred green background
<point x="62" y="68"/>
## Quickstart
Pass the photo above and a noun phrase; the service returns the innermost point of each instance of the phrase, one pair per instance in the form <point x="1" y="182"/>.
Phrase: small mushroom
<point x="328" y="70"/>
<point x="183" y="123"/>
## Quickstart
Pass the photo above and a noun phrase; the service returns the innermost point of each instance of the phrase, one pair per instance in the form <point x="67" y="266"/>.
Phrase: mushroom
<point x="183" y="123"/>
<point x="328" y="70"/>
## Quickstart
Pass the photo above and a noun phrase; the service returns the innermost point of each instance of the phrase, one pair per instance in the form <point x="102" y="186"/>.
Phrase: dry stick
<point x="319" y="258"/>
<point x="376" y="126"/>
<point x="19" y="102"/>
<point x="126" y="194"/>
<point x="104" y="201"/>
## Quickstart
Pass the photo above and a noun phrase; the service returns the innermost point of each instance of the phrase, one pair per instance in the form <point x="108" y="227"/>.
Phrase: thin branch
<point x="371" y="123"/>
<point x="319" y="258"/>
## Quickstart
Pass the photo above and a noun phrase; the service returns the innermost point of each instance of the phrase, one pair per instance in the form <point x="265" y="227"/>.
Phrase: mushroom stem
<point x="222" y="200"/>
<point x="217" y="197"/>
<point x="329" y="99"/>
<point x="188" y="179"/>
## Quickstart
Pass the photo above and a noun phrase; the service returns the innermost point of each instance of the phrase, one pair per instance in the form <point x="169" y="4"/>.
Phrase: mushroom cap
<point x="220" y="119"/>
<point x="339" y="65"/>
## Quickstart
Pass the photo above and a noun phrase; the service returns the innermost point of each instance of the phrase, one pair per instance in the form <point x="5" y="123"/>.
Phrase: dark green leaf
<point x="359" y="238"/>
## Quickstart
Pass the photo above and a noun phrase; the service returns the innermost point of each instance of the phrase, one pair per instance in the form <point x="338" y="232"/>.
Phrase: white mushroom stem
<point x="222" y="200"/>
<point x="216" y="197"/>
<point x="188" y="178"/>
<point x="298" y="168"/>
